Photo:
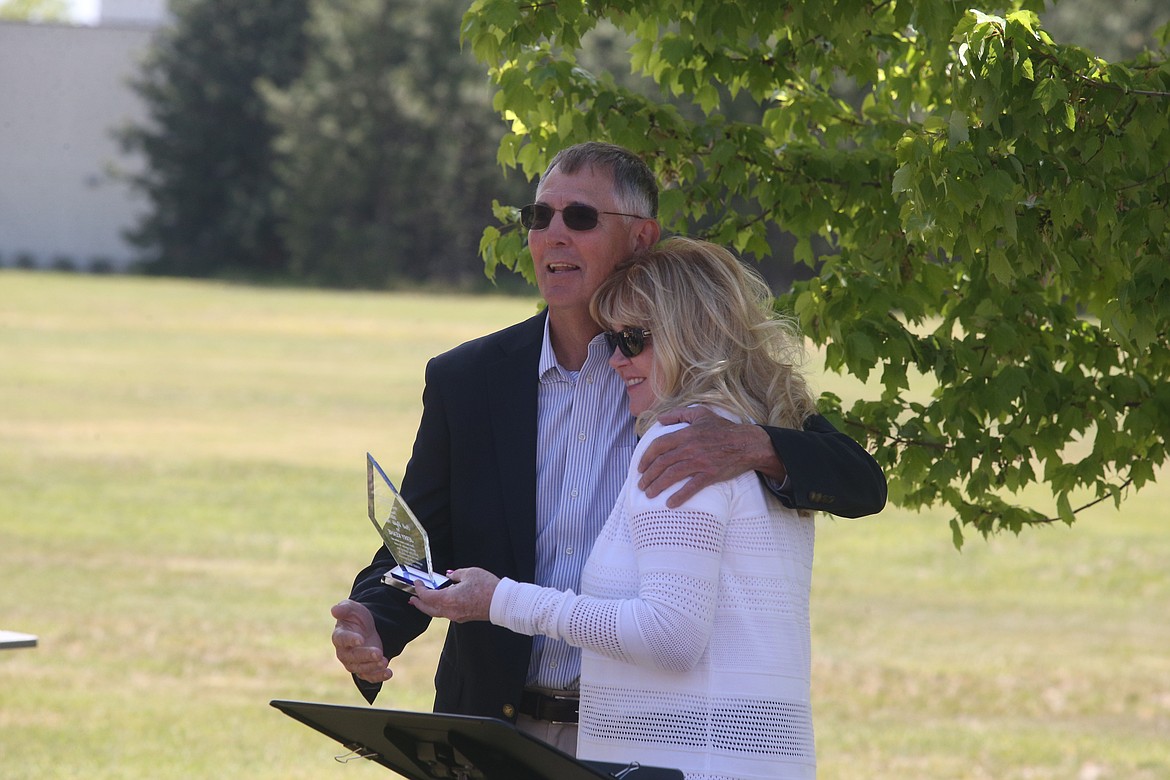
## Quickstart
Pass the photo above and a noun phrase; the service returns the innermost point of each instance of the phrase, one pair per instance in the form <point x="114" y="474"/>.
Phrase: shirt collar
<point x="548" y="369"/>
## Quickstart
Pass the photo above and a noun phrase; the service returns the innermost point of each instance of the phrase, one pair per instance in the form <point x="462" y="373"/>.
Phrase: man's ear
<point x="647" y="234"/>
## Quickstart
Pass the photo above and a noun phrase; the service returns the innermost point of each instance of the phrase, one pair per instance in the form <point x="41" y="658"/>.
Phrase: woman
<point x="693" y="622"/>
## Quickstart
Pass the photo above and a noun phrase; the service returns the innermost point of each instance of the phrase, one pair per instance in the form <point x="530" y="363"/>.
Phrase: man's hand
<point x="468" y="598"/>
<point x="711" y="449"/>
<point x="357" y="644"/>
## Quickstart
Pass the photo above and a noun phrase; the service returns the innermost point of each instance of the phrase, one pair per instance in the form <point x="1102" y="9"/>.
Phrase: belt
<point x="551" y="708"/>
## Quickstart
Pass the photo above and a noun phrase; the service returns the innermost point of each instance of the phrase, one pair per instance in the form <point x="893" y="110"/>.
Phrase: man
<point x="524" y="442"/>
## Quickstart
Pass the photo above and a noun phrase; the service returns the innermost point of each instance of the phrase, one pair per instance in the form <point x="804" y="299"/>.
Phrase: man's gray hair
<point x="634" y="182"/>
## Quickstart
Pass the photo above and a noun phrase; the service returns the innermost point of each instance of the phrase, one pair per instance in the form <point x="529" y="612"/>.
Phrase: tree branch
<point x="1081" y="508"/>
<point x="886" y="436"/>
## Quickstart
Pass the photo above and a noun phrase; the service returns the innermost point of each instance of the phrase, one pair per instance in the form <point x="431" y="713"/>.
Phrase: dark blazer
<point x="471" y="481"/>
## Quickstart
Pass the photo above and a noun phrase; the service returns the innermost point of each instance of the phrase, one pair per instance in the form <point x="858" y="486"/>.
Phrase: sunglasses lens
<point x="629" y="341"/>
<point x="579" y="217"/>
<point x="633" y="341"/>
<point x="536" y="216"/>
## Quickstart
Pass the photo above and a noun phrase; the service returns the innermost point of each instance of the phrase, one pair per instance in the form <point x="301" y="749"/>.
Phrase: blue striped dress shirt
<point x="585" y="438"/>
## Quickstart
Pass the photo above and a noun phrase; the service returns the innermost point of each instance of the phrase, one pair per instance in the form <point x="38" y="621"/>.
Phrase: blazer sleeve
<point x="827" y="470"/>
<point x="425" y="488"/>
<point x="471" y="483"/>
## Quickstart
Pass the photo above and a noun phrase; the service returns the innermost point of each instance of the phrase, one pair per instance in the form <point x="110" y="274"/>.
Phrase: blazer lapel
<point x="512" y="404"/>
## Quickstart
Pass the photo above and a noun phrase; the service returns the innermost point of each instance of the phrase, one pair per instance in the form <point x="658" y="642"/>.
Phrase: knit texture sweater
<point x="694" y="629"/>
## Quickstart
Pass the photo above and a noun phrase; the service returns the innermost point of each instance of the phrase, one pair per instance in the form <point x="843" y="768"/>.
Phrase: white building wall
<point x="115" y="12"/>
<point x="63" y="90"/>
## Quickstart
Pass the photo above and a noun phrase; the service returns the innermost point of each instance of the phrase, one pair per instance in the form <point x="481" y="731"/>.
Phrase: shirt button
<point x="581" y="436"/>
<point x="568" y="551"/>
<point x="573" y="493"/>
<point x="552" y="665"/>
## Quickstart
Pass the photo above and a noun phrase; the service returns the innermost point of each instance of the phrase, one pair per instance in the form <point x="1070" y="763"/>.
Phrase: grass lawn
<point x="182" y="498"/>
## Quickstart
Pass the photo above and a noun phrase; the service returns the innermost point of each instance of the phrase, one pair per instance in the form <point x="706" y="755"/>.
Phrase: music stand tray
<point x="12" y="639"/>
<point x="430" y="746"/>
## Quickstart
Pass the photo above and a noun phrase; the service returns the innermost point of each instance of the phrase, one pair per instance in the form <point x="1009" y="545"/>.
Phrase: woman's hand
<point x="468" y="598"/>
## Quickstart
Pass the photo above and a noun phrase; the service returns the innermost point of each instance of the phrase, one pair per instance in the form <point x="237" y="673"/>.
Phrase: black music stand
<point x="429" y="746"/>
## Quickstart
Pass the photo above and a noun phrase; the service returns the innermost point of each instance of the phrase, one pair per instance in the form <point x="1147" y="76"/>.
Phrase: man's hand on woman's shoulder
<point x="710" y="449"/>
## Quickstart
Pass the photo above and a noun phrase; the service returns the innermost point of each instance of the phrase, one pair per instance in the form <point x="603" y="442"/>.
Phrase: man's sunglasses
<point x="631" y="341"/>
<point x="538" y="216"/>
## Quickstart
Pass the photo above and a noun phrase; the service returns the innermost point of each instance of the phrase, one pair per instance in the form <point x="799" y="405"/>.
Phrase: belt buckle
<point x="557" y="698"/>
<point x="549" y="705"/>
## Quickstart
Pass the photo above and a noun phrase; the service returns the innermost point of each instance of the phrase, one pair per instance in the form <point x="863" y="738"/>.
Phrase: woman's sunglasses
<point x="631" y="341"/>
<point x="538" y="216"/>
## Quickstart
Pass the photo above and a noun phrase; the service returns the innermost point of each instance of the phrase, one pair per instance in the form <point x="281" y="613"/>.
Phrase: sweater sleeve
<point x="667" y="623"/>
<point x="529" y="609"/>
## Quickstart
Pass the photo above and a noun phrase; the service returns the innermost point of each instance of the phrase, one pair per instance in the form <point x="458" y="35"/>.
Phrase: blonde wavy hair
<point x="716" y="338"/>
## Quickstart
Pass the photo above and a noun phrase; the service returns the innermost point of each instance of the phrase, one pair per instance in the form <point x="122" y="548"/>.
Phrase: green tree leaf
<point x="996" y="204"/>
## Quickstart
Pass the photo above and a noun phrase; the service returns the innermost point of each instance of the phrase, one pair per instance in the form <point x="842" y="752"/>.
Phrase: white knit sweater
<point x="694" y="629"/>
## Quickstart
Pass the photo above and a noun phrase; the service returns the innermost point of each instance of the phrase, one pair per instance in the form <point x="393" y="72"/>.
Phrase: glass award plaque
<point x="401" y="532"/>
